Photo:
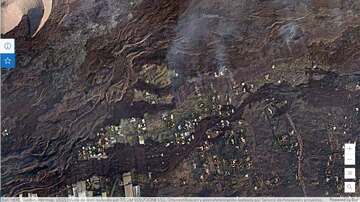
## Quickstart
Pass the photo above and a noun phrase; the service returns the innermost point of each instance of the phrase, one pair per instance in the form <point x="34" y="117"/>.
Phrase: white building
<point x="128" y="186"/>
<point x="79" y="190"/>
<point x="136" y="191"/>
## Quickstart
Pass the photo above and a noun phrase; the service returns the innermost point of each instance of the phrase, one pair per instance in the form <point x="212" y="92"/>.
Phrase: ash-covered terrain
<point x="197" y="97"/>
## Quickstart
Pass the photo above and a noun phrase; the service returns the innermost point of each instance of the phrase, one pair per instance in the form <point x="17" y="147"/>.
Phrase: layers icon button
<point x="349" y="173"/>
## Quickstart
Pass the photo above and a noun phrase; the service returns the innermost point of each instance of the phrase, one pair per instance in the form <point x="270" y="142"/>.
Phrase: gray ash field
<point x="194" y="97"/>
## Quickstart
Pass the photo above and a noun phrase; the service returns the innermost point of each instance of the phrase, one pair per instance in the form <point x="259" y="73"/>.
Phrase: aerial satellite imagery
<point x="181" y="98"/>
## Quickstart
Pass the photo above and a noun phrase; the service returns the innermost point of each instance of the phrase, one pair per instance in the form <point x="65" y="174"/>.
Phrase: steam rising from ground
<point x="199" y="28"/>
<point x="202" y="40"/>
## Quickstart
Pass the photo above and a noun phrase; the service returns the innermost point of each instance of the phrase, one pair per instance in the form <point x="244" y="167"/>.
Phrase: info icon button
<point x="7" y="46"/>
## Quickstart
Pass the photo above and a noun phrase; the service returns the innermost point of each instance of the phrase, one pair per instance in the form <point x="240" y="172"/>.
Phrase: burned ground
<point x="290" y="69"/>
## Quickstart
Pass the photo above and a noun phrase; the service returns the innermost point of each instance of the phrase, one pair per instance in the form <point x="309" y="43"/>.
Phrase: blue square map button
<point x="8" y="60"/>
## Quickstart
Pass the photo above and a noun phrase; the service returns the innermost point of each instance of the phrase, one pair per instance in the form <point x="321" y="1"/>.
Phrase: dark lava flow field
<point x="274" y="87"/>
